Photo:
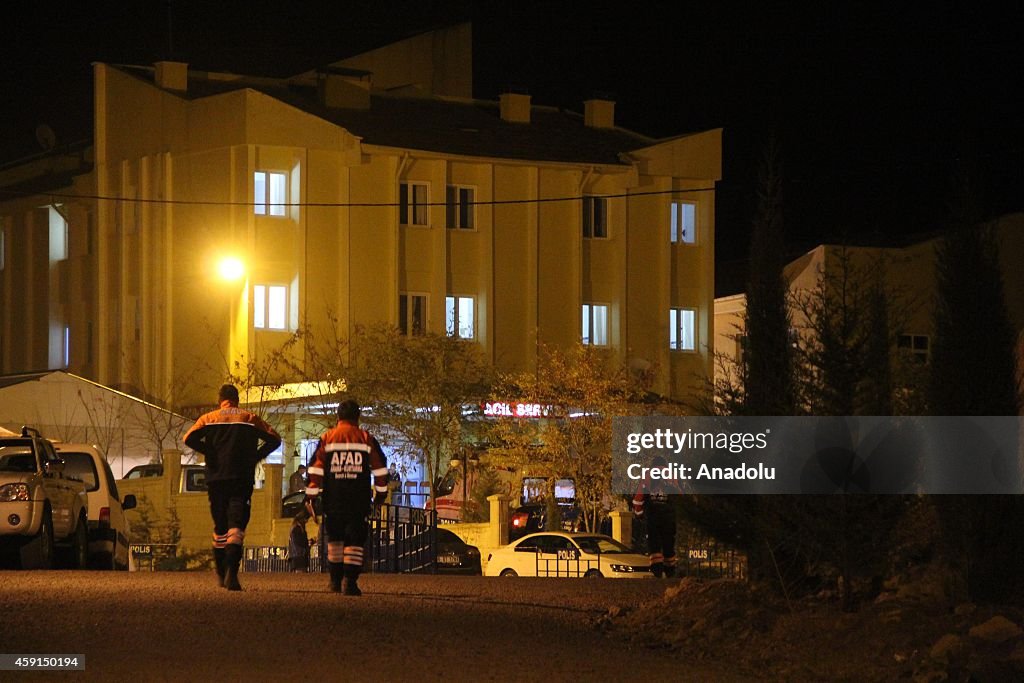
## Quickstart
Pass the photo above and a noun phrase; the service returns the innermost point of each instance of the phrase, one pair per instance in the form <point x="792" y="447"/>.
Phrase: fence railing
<point x="148" y="557"/>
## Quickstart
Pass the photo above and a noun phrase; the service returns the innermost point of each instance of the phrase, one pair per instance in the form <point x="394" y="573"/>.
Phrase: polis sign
<point x="515" y="409"/>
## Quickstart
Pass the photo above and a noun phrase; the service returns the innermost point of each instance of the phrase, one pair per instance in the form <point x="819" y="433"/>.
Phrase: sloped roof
<point x="444" y="125"/>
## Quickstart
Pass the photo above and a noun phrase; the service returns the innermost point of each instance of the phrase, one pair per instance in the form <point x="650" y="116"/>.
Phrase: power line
<point x="196" y="202"/>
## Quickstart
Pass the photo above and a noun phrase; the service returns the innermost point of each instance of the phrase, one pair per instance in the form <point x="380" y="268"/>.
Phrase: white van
<point x="108" y="528"/>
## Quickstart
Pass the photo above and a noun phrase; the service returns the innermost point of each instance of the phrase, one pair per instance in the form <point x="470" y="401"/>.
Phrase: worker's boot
<point x="337" y="571"/>
<point x="232" y="559"/>
<point x="218" y="560"/>
<point x="349" y="585"/>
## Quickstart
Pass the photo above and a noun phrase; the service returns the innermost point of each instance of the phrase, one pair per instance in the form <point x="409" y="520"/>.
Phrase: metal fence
<point x="566" y="563"/>
<point x="711" y="562"/>
<point x="151" y="557"/>
<point x="401" y="539"/>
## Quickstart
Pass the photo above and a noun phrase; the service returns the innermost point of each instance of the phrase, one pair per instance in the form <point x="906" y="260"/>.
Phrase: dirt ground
<point x="178" y="625"/>
<point x="173" y="626"/>
<point x="907" y="634"/>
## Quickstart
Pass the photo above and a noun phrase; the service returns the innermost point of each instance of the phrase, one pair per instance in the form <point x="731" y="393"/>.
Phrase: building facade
<point x="907" y="272"/>
<point x="373" y="190"/>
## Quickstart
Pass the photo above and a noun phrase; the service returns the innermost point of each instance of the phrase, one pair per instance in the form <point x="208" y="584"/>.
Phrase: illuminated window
<point x="595" y="324"/>
<point x="459" y="205"/>
<point x="412" y="314"/>
<point x="682" y="329"/>
<point x="458" y="316"/>
<point x="67" y="346"/>
<point x="270" y="193"/>
<point x="595" y="216"/>
<point x="684" y="223"/>
<point x="412" y="204"/>
<point x="270" y="307"/>
<point x="915" y="346"/>
<point x="58" y="236"/>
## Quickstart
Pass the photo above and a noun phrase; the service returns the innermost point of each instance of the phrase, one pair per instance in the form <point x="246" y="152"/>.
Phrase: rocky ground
<point x="907" y="633"/>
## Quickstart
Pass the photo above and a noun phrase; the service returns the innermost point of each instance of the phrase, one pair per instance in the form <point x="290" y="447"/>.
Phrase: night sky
<point x="872" y="105"/>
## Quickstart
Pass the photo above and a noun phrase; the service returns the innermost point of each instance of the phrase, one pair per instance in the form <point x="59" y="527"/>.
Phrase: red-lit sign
<point x="515" y="409"/>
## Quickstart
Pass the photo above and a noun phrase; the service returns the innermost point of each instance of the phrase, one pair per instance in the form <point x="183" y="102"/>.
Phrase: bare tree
<point x="580" y="390"/>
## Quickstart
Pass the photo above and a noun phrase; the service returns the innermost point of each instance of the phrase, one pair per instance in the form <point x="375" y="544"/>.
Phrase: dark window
<point x="916" y="346"/>
<point x="595" y="217"/>
<point x="459" y="205"/>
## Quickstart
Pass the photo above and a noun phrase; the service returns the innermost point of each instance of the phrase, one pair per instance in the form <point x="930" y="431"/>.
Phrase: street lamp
<point x="231" y="268"/>
<point x="463" y="462"/>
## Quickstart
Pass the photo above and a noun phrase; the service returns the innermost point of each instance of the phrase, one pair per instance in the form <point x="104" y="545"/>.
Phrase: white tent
<point x="72" y="409"/>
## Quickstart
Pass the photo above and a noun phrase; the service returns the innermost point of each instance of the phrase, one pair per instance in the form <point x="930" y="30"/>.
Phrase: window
<point x="458" y="316"/>
<point x="682" y="329"/>
<point x="58" y="235"/>
<point x="595" y="217"/>
<point x="67" y="346"/>
<point x="270" y="193"/>
<point x="595" y="324"/>
<point x="459" y="205"/>
<point x="269" y="307"/>
<point x="412" y="314"/>
<point x="412" y="204"/>
<point x="684" y="223"/>
<point x="916" y="346"/>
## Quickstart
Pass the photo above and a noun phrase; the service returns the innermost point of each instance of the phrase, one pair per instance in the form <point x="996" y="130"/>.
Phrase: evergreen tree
<point x="767" y="358"/>
<point x="973" y="372"/>
<point x="973" y="366"/>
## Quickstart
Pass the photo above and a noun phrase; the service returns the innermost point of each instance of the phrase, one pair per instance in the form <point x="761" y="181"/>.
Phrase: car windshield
<point x="16" y="456"/>
<point x="600" y="544"/>
<point x="141" y="471"/>
<point x="80" y="466"/>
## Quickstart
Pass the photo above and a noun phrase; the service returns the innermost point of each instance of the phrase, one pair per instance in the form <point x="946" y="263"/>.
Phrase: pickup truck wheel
<point x="38" y="552"/>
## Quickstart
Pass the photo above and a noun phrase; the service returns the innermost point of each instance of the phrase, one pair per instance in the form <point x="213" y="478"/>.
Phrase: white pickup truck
<point x="43" y="513"/>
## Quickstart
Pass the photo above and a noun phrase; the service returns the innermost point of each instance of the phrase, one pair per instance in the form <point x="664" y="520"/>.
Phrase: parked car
<point x="193" y="477"/>
<point x="563" y="554"/>
<point x="145" y="471"/>
<point x="531" y="518"/>
<point x="43" y="511"/>
<point x="108" y="527"/>
<point x="454" y="555"/>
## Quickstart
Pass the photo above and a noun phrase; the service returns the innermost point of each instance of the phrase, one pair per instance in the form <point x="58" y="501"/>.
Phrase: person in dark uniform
<point x="653" y="503"/>
<point x="298" y="543"/>
<point x="297" y="482"/>
<point x="346" y="459"/>
<point x="233" y="441"/>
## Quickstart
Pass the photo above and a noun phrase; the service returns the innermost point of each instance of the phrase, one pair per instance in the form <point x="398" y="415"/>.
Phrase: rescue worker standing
<point x="233" y="441"/>
<point x="345" y="460"/>
<point x="653" y="502"/>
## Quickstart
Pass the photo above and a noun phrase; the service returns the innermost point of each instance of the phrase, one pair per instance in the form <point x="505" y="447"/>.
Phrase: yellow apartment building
<point x="375" y="189"/>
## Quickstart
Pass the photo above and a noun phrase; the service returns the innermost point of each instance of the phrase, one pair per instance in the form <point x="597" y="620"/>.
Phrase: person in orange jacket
<point x="233" y="441"/>
<point x="346" y="459"/>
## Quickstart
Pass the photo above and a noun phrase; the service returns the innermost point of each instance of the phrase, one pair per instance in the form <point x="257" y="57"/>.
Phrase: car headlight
<point x="623" y="568"/>
<point x="13" y="492"/>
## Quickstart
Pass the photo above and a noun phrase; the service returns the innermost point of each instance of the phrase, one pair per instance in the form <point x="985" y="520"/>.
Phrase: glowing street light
<point x="231" y="268"/>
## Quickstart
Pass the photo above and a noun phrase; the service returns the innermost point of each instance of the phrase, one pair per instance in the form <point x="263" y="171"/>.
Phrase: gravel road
<point x="177" y="626"/>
